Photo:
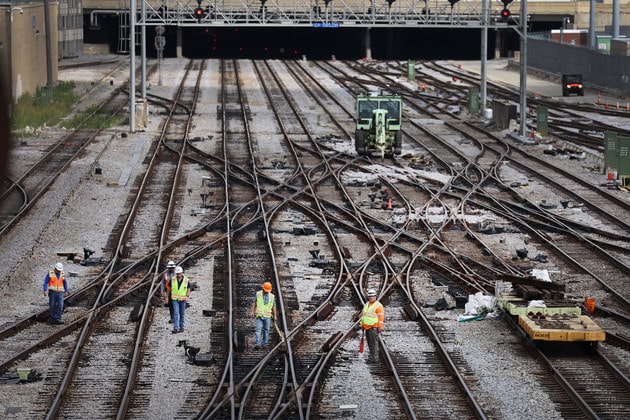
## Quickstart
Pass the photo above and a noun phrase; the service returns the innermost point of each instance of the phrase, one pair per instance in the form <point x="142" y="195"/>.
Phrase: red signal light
<point x="199" y="12"/>
<point x="505" y="13"/>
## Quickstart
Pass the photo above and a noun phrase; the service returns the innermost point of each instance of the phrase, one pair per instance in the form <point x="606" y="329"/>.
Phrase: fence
<point x="611" y="72"/>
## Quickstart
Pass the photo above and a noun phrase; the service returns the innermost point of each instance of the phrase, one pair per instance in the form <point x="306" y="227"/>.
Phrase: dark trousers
<point x="55" y="302"/>
<point x="371" y="336"/>
<point x="169" y="303"/>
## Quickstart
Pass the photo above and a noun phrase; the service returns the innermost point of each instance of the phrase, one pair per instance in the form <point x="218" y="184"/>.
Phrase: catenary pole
<point x="615" y="19"/>
<point x="49" y="72"/>
<point x="484" y="54"/>
<point x="591" y="25"/>
<point x="523" y="79"/>
<point x="132" y="66"/>
<point x="143" y="48"/>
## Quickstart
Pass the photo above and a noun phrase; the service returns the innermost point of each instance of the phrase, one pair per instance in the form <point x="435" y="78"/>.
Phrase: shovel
<point x="362" y="342"/>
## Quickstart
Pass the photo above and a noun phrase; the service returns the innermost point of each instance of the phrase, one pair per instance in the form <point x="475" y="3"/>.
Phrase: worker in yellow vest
<point x="56" y="288"/>
<point x="179" y="294"/>
<point x="372" y="318"/>
<point x="263" y="308"/>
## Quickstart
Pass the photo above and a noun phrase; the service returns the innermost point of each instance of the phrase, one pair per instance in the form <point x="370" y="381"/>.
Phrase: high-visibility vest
<point x="55" y="284"/>
<point x="262" y="309"/>
<point x="179" y="292"/>
<point x="372" y="316"/>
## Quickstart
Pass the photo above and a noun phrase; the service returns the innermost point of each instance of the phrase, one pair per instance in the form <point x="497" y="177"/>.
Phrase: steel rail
<point x="94" y="315"/>
<point x="147" y="314"/>
<point x="392" y="365"/>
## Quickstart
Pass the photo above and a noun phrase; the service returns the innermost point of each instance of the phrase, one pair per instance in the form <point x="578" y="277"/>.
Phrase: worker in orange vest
<point x="372" y="318"/>
<point x="56" y="288"/>
<point x="165" y="287"/>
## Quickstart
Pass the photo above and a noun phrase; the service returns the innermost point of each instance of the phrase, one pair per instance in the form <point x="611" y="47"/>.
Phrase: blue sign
<point x="325" y="25"/>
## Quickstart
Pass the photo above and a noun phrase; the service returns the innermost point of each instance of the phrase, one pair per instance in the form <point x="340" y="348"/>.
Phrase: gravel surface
<point x="82" y="207"/>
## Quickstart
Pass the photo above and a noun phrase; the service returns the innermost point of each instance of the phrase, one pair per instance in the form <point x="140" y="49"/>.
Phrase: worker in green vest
<point x="263" y="308"/>
<point x="179" y="293"/>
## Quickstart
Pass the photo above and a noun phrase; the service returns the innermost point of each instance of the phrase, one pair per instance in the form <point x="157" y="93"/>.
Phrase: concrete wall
<point x="23" y="46"/>
<point x="579" y="10"/>
<point x="70" y="27"/>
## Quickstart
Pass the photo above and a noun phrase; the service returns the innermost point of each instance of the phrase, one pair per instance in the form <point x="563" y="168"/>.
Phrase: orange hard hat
<point x="267" y="287"/>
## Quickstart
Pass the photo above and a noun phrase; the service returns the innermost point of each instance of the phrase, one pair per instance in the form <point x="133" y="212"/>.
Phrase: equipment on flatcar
<point x="544" y="314"/>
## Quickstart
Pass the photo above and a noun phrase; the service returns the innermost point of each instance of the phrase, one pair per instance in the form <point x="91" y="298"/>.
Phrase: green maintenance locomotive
<point x="378" y="125"/>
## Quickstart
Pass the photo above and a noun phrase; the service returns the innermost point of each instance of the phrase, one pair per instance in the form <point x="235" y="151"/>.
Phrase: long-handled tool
<point x="278" y="330"/>
<point x="283" y="344"/>
<point x="362" y="343"/>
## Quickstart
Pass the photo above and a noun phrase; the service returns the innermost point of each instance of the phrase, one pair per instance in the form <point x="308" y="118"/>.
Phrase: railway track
<point x="614" y="275"/>
<point x="601" y="202"/>
<point x="83" y="385"/>
<point x="258" y="371"/>
<point x="284" y="201"/>
<point x="591" y="380"/>
<point x="23" y="193"/>
<point x="102" y="383"/>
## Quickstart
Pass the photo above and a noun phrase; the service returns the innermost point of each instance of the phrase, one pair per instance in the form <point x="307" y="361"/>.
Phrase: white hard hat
<point x="371" y="292"/>
<point x="178" y="270"/>
<point x="59" y="267"/>
<point x="171" y="264"/>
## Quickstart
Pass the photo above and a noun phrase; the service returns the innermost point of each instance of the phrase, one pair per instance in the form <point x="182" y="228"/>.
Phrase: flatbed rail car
<point x="544" y="314"/>
<point x="379" y="119"/>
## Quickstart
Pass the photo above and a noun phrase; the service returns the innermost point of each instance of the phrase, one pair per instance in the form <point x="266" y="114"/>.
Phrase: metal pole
<point x="484" y="53"/>
<point x="591" y="26"/>
<point x="159" y="45"/>
<point x="615" y="19"/>
<point x="523" y="68"/>
<point x="373" y="10"/>
<point x="143" y="48"/>
<point x="368" y="44"/>
<point x="49" y="72"/>
<point x="132" y="66"/>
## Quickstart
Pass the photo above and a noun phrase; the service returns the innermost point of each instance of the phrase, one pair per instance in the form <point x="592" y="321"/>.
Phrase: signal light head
<point x="199" y="12"/>
<point x="505" y="13"/>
